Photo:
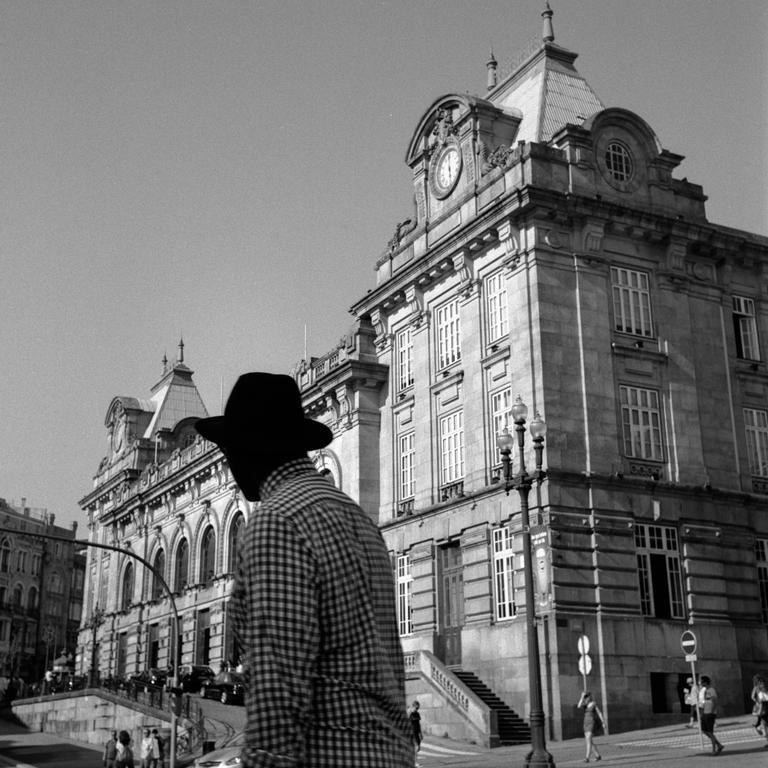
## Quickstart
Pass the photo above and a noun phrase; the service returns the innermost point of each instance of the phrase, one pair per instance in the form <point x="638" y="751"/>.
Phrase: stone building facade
<point x="553" y="254"/>
<point x="163" y="494"/>
<point x="41" y="591"/>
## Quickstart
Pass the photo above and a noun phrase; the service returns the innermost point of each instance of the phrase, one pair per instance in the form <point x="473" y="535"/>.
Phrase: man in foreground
<point x="313" y="599"/>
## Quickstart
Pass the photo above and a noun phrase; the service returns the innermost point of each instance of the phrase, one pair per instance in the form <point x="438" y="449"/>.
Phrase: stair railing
<point x="456" y="693"/>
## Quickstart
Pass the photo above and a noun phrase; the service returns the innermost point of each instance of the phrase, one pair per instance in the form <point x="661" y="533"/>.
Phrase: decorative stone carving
<point x="498" y="157"/>
<point x="401" y="230"/>
<point x="443" y="127"/>
<point x="414" y="297"/>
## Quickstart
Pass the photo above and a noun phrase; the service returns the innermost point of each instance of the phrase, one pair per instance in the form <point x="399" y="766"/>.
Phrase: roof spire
<point x="181" y="349"/>
<point x="492" y="64"/>
<point x="548" y="33"/>
<point x="165" y="363"/>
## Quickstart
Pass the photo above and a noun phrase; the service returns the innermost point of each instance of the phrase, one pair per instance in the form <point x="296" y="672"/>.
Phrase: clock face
<point x="446" y="171"/>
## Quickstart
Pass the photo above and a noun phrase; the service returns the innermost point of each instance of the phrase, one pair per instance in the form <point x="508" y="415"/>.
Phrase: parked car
<point x="150" y="678"/>
<point x="227" y="687"/>
<point x="225" y="756"/>
<point x="192" y="677"/>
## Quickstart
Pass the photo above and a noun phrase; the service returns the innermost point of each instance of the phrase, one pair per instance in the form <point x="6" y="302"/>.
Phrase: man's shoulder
<point x="299" y="492"/>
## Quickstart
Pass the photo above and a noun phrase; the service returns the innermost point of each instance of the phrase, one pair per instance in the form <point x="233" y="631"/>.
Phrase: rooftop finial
<point x="165" y="363"/>
<point x="181" y="349"/>
<point x="492" y="64"/>
<point x="549" y="32"/>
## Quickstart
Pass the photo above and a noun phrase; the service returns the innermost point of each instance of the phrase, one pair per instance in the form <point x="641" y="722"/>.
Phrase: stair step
<point x="512" y="728"/>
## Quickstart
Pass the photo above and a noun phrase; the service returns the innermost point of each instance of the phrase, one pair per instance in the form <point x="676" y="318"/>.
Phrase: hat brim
<point x="310" y="435"/>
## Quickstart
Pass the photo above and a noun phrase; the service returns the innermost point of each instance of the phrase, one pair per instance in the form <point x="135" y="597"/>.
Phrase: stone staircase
<point x="512" y="728"/>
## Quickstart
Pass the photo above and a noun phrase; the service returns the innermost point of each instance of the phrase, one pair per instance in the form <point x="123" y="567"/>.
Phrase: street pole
<point x="161" y="580"/>
<point x="522" y="482"/>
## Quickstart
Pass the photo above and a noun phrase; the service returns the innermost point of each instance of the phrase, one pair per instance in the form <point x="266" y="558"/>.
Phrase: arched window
<point x="5" y="556"/>
<point x="181" y="572"/>
<point x="32" y="599"/>
<point x="18" y="593"/>
<point x="236" y="532"/>
<point x="127" y="600"/>
<point x="159" y="565"/>
<point x="208" y="556"/>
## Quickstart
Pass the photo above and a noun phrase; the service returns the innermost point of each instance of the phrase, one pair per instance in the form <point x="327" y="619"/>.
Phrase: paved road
<point x="666" y="747"/>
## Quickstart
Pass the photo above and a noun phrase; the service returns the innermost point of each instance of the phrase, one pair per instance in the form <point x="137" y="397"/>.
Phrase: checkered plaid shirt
<point x="314" y="610"/>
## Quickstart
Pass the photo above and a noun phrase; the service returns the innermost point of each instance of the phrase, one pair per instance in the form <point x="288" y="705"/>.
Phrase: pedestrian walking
<point x="708" y="712"/>
<point x="593" y="724"/>
<point x="124" y="753"/>
<point x="146" y="749"/>
<point x="691" y="700"/>
<point x="110" y="750"/>
<point x="313" y="600"/>
<point x="759" y="698"/>
<point x="415" y="719"/>
<point x="160" y="748"/>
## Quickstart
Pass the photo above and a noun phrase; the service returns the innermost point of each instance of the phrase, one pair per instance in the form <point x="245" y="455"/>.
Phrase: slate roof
<point x="549" y="92"/>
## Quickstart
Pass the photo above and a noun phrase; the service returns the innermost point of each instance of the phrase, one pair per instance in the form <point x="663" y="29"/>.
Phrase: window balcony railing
<point x="760" y="484"/>
<point x="453" y="490"/>
<point x="405" y="508"/>
<point x="646" y="469"/>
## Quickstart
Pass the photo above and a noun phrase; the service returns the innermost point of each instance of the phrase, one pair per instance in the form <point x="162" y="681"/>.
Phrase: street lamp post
<point x="522" y="482"/>
<point x="96" y="618"/>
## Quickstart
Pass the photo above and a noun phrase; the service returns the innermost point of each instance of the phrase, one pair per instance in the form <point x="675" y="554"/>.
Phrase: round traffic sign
<point x="583" y="644"/>
<point x="585" y="665"/>
<point x="688" y="642"/>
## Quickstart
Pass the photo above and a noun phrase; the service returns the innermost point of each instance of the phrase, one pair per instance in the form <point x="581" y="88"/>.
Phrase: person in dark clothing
<point x="110" y="751"/>
<point x="415" y="719"/>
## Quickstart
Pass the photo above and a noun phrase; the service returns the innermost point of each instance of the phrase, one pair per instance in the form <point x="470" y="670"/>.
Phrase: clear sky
<point x="231" y="170"/>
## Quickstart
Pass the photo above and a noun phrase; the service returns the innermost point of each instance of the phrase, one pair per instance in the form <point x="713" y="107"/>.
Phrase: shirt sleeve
<point x="275" y="603"/>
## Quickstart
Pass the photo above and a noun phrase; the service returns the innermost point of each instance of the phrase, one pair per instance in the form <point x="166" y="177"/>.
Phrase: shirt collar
<point x="283" y="473"/>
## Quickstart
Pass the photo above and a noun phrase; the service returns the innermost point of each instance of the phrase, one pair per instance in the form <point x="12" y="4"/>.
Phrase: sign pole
<point x="698" y="714"/>
<point x="688" y="644"/>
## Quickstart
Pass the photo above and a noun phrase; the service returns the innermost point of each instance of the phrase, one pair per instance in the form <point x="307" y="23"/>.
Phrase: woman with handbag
<point x="593" y="724"/>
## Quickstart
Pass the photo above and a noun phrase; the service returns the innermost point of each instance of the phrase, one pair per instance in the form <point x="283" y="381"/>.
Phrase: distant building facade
<point x="166" y="495"/>
<point x="41" y="591"/>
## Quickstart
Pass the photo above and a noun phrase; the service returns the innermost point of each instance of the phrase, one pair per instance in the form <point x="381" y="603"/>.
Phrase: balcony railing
<point x="452" y="491"/>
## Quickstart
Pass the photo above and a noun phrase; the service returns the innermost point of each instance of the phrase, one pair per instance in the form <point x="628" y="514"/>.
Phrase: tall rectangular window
<point x="745" y="328"/>
<point x="452" y="447"/>
<point x="631" y="301"/>
<point x="496" y="305"/>
<point x="404" y="343"/>
<point x="641" y="420"/>
<point x="448" y="334"/>
<point x="504" y="573"/>
<point x="761" y="555"/>
<point x="659" y="571"/>
<point x="404" y="581"/>
<point x="407" y="454"/>
<point x="500" y="418"/>
<point x="756" y="425"/>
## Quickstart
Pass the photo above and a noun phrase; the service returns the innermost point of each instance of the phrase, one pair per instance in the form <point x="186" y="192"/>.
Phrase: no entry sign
<point x="688" y="642"/>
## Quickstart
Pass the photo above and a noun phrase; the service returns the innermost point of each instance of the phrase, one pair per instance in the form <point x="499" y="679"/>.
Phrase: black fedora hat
<point x="264" y="412"/>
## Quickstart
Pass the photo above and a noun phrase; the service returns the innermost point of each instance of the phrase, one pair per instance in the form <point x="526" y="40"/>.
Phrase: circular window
<point x="618" y="161"/>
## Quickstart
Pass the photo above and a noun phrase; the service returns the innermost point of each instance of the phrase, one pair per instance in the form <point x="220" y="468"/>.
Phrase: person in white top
<point x="708" y="712"/>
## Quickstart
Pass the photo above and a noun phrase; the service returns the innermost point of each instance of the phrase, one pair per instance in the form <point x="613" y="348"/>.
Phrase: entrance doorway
<point x="451" y="604"/>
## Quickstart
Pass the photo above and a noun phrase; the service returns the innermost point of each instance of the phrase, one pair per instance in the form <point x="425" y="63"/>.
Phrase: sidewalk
<point x="665" y="747"/>
<point x="21" y="748"/>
